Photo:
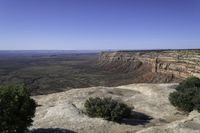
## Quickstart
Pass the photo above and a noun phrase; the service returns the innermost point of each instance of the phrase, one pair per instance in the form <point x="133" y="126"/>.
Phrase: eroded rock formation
<point x="179" y="63"/>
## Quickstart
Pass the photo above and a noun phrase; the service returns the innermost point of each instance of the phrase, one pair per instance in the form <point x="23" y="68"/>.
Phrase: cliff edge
<point x="178" y="63"/>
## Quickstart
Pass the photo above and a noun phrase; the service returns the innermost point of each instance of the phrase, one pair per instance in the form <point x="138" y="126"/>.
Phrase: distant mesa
<point x="179" y="63"/>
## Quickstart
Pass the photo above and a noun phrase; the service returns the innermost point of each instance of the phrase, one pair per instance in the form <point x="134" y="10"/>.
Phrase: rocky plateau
<point x="178" y="63"/>
<point x="64" y="111"/>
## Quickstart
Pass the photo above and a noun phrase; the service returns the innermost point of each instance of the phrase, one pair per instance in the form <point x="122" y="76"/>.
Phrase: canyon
<point x="177" y="63"/>
<point x="153" y="113"/>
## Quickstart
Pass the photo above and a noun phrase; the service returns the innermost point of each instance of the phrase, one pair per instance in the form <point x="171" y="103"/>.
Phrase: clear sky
<point x="99" y="24"/>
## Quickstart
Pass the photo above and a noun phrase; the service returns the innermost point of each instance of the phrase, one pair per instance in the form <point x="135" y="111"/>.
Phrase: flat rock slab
<point x="64" y="112"/>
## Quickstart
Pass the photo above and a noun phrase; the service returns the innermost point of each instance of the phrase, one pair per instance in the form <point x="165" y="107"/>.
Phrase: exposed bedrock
<point x="151" y="108"/>
<point x="178" y="63"/>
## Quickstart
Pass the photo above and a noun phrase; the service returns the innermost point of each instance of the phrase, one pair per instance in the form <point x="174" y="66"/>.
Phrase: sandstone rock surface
<point x="179" y="63"/>
<point x="65" y="110"/>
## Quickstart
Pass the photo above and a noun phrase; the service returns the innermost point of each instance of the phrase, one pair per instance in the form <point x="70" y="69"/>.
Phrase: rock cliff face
<point x="179" y="63"/>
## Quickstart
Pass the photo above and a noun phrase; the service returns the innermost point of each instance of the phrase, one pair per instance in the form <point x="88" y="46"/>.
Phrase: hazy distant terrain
<point x="46" y="72"/>
<point x="52" y="71"/>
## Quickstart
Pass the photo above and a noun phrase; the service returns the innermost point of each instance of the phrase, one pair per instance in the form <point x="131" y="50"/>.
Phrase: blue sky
<point x="99" y="24"/>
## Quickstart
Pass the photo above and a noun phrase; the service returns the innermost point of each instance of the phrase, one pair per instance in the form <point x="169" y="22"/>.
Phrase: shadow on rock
<point x="137" y="118"/>
<point x="51" y="130"/>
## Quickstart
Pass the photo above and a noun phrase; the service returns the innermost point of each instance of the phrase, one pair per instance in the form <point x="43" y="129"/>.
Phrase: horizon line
<point x="96" y="49"/>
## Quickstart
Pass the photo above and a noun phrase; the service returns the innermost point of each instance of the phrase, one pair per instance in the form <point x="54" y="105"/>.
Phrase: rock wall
<point x="180" y="63"/>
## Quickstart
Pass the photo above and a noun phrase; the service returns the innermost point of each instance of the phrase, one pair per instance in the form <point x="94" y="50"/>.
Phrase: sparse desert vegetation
<point x="16" y="109"/>
<point x="107" y="108"/>
<point x="187" y="95"/>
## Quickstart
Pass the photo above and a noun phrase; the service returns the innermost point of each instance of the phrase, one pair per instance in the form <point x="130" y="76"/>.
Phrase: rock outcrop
<point x="152" y="111"/>
<point x="179" y="63"/>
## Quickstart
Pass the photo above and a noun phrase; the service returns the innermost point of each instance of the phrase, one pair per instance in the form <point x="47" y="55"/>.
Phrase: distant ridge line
<point x="158" y="50"/>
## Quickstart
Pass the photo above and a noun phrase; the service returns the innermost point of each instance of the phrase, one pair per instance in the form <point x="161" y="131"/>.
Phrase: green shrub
<point x="187" y="95"/>
<point x="16" y="109"/>
<point x="107" y="108"/>
<point x="188" y="83"/>
<point x="196" y="101"/>
<point x="183" y="100"/>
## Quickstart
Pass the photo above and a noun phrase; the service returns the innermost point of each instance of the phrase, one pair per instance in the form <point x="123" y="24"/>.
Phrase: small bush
<point x="16" y="109"/>
<point x="190" y="82"/>
<point x="187" y="96"/>
<point x="107" y="108"/>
